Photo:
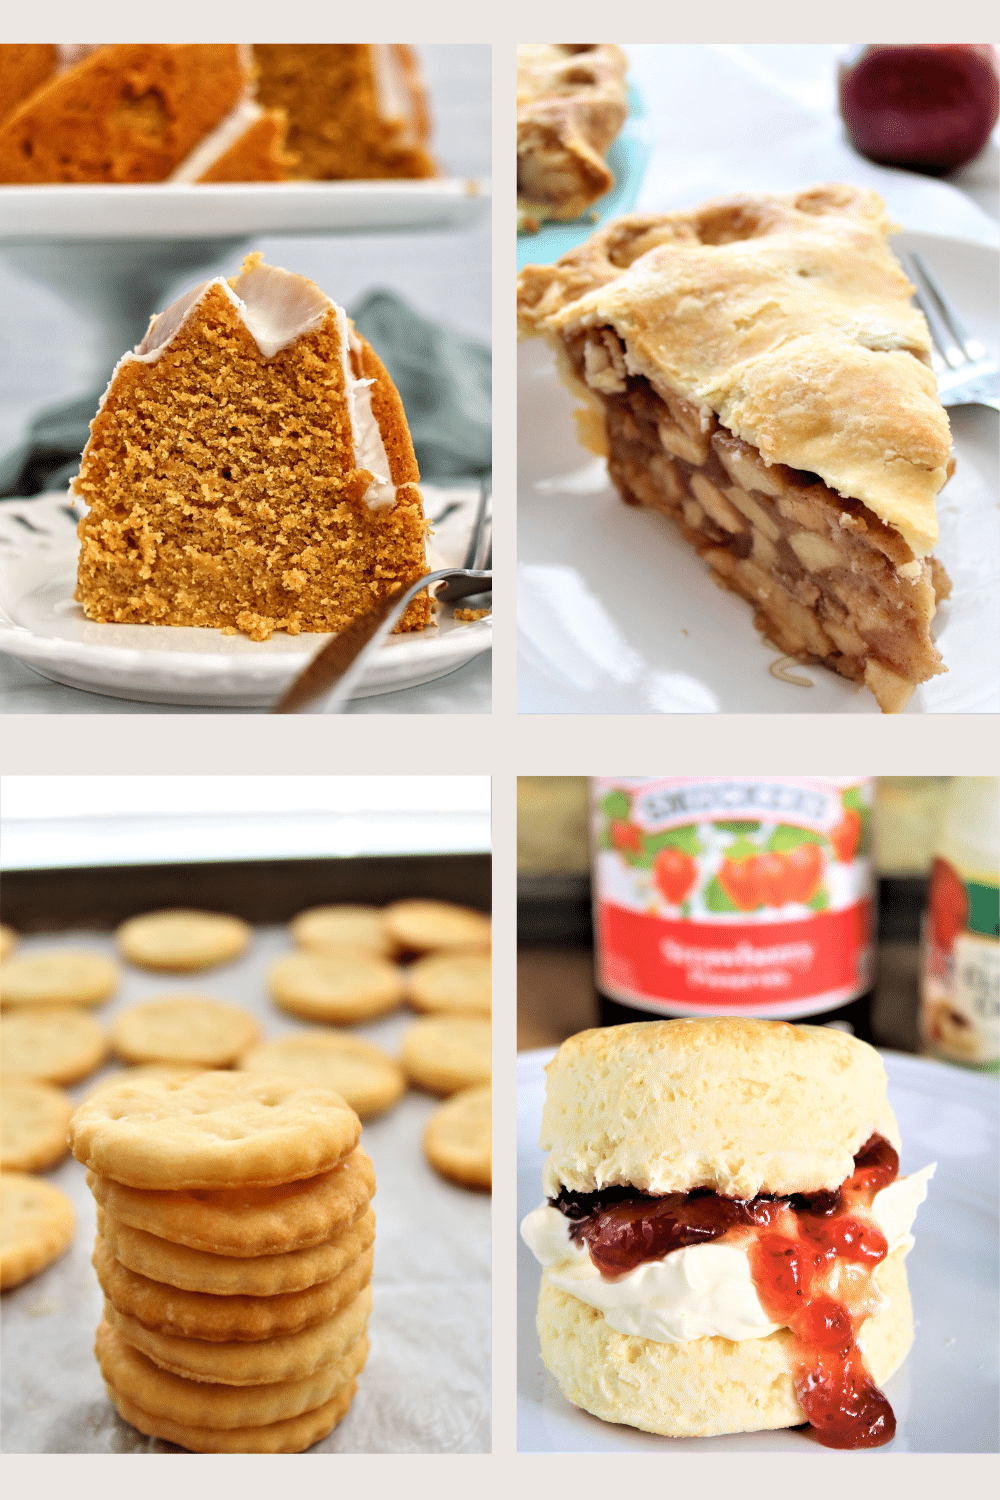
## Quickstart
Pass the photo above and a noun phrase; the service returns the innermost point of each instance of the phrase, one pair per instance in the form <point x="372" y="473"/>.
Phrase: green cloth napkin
<point x="444" y="379"/>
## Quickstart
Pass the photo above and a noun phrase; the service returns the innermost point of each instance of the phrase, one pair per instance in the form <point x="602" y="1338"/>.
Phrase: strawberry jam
<point x="799" y="1246"/>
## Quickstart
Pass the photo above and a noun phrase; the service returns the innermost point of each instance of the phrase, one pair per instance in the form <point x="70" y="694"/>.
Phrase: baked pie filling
<point x="828" y="580"/>
<point x="797" y="327"/>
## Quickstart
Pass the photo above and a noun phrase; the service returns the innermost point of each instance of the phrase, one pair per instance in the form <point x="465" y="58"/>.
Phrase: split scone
<point x="754" y="369"/>
<point x="725" y="1230"/>
<point x="571" y="103"/>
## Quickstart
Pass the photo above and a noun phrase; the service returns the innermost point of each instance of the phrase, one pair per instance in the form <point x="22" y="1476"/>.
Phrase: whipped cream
<point x="699" y="1291"/>
<point x="277" y="307"/>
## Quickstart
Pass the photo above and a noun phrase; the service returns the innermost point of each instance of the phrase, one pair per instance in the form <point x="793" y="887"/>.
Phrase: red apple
<point x="929" y="108"/>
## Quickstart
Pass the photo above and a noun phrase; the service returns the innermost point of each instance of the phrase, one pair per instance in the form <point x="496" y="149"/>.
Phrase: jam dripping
<point x="798" y="1239"/>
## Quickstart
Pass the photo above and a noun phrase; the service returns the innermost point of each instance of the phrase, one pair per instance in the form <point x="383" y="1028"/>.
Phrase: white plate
<point x="945" y="1395"/>
<point x="41" y="626"/>
<point x="617" y="614"/>
<point x="177" y="211"/>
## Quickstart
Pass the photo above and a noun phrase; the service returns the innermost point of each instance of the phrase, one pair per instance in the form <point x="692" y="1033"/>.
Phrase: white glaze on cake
<point x="395" y="97"/>
<point x="278" y="307"/>
<point x="218" y="141"/>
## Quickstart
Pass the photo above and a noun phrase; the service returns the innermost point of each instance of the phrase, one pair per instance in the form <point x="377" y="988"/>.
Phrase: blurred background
<point x="556" y="992"/>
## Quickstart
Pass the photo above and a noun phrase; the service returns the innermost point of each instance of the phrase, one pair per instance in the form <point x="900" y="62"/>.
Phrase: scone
<point x="725" y="1230"/>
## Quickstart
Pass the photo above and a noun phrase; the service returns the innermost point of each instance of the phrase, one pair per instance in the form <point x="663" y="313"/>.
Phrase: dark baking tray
<point x="267" y="890"/>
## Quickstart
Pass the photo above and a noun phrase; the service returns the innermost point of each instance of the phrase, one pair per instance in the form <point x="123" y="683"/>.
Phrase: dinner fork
<point x="326" y="683"/>
<point x="966" y="374"/>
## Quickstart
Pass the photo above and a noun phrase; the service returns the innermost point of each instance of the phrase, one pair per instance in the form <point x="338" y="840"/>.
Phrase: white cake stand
<point x="113" y="251"/>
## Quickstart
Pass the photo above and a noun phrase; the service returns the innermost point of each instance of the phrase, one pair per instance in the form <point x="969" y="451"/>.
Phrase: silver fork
<point x="326" y="683"/>
<point x="966" y="374"/>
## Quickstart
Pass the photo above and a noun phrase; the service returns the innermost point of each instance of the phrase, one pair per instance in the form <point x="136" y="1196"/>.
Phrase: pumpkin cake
<point x="211" y="113"/>
<point x="137" y="113"/>
<point x="753" y="368"/>
<point x="354" y="111"/>
<point x="250" y="469"/>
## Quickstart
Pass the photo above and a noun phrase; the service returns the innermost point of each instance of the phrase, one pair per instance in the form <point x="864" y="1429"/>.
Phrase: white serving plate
<point x="945" y="1394"/>
<point x="618" y="615"/>
<point x="42" y="626"/>
<point x="176" y="210"/>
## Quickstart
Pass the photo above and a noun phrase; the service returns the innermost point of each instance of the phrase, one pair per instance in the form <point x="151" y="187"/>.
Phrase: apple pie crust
<point x="571" y="103"/>
<point x="754" y="369"/>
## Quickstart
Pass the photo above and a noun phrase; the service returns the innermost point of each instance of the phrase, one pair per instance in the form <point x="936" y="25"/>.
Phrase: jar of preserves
<point x="734" y="896"/>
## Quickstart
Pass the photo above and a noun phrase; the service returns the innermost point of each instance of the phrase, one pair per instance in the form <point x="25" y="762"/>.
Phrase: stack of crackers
<point x="235" y="1246"/>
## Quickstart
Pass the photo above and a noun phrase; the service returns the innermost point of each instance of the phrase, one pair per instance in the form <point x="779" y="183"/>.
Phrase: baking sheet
<point x="426" y="1387"/>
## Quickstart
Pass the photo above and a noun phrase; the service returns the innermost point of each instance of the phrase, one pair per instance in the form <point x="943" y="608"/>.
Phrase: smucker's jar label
<point x="720" y="895"/>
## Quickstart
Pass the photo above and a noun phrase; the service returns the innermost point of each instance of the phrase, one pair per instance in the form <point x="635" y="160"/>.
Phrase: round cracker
<point x="425" y="926"/>
<point x="293" y="1435"/>
<point x="33" y="1121"/>
<point x="221" y="1407"/>
<point x="181" y="941"/>
<point x="369" y="1079"/>
<point x="140" y="1072"/>
<point x="271" y="1361"/>
<point x="202" y="1315"/>
<point x="185" y="1029"/>
<point x="247" y="1221"/>
<point x="213" y="1130"/>
<point x="9" y="940"/>
<point x="458" y="1138"/>
<point x="338" y="987"/>
<point x="454" y="983"/>
<point x="325" y="929"/>
<point x="447" y="1053"/>
<point x="58" y="1044"/>
<point x="224" y="1275"/>
<point x="37" y="1224"/>
<point x="61" y="977"/>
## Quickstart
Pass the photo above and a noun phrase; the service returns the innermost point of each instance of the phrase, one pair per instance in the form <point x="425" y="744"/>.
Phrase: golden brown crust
<point x="787" y="317"/>
<point x="571" y="103"/>
<point x="237" y="1223"/>
<point x="37" y="1224"/>
<point x="228" y="1275"/>
<point x="291" y="1435"/>
<point x="738" y="1106"/>
<point x="218" y="1406"/>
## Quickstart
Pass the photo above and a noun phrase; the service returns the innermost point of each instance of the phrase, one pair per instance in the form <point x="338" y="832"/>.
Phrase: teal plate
<point x="627" y="160"/>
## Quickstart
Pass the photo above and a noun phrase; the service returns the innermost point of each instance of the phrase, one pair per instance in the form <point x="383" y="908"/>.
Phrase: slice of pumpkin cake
<point x="250" y="468"/>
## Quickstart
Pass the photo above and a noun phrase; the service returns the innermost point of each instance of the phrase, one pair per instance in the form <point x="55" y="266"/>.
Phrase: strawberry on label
<point x="846" y="836"/>
<point x="626" y="836"/>
<point x="803" y="872"/>
<point x="947" y="904"/>
<point x="738" y="878"/>
<point x="675" y="874"/>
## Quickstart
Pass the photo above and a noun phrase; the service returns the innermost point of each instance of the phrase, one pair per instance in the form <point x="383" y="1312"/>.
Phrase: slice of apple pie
<point x="754" y="369"/>
<point x="571" y="103"/>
